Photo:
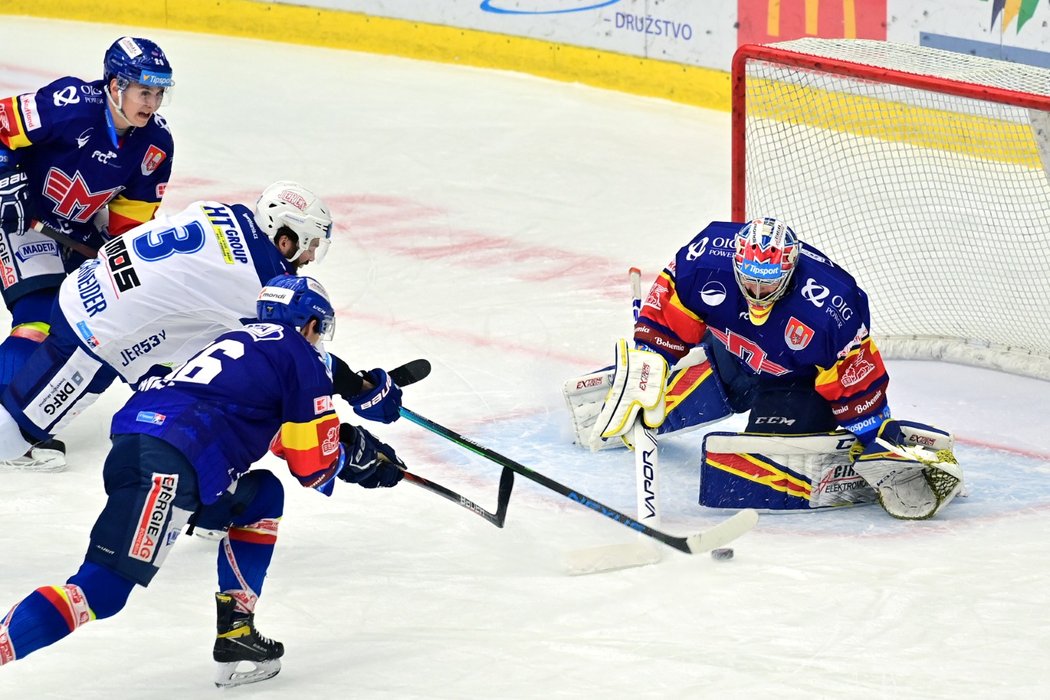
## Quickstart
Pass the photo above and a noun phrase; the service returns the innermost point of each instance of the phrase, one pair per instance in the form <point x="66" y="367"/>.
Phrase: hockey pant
<point x="60" y="380"/>
<point x="152" y="491"/>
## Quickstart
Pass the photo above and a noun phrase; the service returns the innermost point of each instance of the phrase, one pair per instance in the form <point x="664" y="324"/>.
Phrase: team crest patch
<point x="152" y="160"/>
<point x="653" y="298"/>
<point x="797" y="334"/>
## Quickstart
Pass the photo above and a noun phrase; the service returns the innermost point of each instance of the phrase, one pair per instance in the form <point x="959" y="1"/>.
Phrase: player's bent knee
<point x="105" y="591"/>
<point x="267" y="501"/>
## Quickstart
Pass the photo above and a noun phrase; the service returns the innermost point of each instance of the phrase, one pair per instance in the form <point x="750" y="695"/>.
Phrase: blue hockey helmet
<point x="765" y="258"/>
<point x="134" y="60"/>
<point x="295" y="300"/>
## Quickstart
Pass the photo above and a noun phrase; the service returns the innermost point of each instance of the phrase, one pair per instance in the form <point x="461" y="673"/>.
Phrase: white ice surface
<point x="486" y="221"/>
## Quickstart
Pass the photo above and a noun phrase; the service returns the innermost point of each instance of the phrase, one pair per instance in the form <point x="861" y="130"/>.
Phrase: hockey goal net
<point x="925" y="173"/>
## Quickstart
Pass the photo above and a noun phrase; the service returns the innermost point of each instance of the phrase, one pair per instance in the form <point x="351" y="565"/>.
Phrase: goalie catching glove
<point x="911" y="467"/>
<point x="639" y="379"/>
<point x="367" y="461"/>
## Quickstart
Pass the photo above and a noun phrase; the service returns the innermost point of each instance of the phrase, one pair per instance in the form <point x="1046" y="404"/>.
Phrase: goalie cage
<point x="925" y="172"/>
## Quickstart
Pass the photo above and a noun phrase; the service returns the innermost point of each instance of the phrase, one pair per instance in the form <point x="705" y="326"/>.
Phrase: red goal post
<point x="925" y="173"/>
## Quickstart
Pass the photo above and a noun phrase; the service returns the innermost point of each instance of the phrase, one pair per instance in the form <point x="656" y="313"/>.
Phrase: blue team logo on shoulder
<point x="151" y="417"/>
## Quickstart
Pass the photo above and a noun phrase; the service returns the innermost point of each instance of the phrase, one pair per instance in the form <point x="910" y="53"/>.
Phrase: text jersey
<point x="165" y="289"/>
<point x="64" y="140"/>
<point x="818" y="331"/>
<point x="223" y="408"/>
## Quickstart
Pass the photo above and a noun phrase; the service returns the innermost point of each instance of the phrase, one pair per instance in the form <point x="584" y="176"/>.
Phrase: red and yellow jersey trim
<point x="665" y="324"/>
<point x="853" y="373"/>
<point x="12" y="125"/>
<point x="125" y="214"/>
<point x="309" y="448"/>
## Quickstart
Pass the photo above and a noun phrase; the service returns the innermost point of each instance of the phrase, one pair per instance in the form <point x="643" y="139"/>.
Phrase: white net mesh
<point x="939" y="204"/>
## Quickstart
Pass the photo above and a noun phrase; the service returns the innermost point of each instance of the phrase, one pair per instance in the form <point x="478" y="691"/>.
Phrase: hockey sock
<point x="14" y="352"/>
<point x="29" y="327"/>
<point x="245" y="553"/>
<point x="42" y="618"/>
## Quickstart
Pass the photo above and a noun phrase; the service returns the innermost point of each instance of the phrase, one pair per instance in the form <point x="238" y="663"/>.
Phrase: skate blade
<point x="42" y="461"/>
<point x="228" y="676"/>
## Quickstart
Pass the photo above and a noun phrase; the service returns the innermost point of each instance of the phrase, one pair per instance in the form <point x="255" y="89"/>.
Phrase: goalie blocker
<point x="909" y="470"/>
<point x="694" y="397"/>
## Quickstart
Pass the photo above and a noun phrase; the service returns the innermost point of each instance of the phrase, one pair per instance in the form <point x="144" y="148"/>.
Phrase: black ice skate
<point x="238" y="641"/>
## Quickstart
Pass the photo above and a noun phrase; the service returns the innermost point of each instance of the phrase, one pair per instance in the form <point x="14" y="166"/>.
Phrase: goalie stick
<point x="417" y="370"/>
<point x="722" y="533"/>
<point x="611" y="557"/>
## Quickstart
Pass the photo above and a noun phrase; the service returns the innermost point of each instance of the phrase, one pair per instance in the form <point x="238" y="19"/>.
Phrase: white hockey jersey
<point x="165" y="289"/>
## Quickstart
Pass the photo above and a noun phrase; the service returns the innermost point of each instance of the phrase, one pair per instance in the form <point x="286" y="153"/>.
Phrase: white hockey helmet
<point x="289" y="204"/>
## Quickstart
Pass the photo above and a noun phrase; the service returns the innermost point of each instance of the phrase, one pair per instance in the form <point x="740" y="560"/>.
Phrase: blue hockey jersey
<point x="818" y="331"/>
<point x="64" y="139"/>
<point x="223" y="408"/>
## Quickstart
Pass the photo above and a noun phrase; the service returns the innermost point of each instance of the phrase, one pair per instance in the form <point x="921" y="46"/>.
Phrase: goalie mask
<point x="295" y="300"/>
<point x="286" y="204"/>
<point x="766" y="254"/>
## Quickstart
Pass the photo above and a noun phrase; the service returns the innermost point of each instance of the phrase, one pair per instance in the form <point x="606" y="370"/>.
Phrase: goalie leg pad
<point x="780" y="472"/>
<point x="912" y="467"/>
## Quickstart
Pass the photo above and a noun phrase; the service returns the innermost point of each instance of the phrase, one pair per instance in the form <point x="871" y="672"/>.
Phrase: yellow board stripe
<point x="980" y="137"/>
<point x="692" y="85"/>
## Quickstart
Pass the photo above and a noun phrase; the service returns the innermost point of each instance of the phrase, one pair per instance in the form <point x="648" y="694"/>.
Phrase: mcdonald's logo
<point x="766" y="21"/>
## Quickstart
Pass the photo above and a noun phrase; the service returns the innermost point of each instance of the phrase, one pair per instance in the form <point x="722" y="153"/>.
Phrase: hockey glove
<point x="639" y="380"/>
<point x="912" y="467"/>
<point x="382" y="403"/>
<point x="369" y="462"/>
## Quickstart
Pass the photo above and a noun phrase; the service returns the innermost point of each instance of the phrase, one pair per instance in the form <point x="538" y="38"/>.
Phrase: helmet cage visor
<point x="764" y="261"/>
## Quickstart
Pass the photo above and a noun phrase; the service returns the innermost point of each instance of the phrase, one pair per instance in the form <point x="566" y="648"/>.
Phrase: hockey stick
<point x="506" y="484"/>
<point x="410" y="373"/>
<point x="722" y="533"/>
<point x="61" y="238"/>
<point x="611" y="557"/>
<point x="646" y="447"/>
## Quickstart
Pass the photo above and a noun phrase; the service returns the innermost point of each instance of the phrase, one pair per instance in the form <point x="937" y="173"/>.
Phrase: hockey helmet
<point x="765" y="258"/>
<point x="295" y="300"/>
<point x="289" y="204"/>
<point x="134" y="60"/>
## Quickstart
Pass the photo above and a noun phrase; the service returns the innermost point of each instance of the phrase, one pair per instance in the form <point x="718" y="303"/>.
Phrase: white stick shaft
<point x="646" y="474"/>
<point x="646" y="448"/>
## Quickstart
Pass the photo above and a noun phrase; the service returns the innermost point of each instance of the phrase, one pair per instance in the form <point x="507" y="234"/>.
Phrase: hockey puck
<point x="722" y="554"/>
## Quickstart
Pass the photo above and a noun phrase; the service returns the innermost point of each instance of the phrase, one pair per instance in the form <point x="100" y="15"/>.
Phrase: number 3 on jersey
<point x="157" y="245"/>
